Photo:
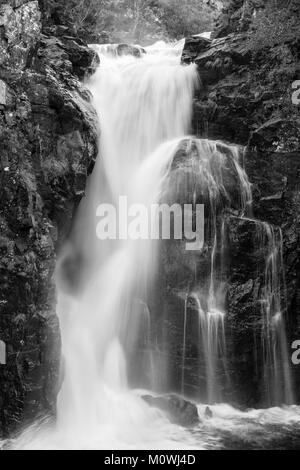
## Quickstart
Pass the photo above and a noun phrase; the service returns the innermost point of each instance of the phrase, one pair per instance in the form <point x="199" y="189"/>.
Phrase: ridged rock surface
<point x="48" y="143"/>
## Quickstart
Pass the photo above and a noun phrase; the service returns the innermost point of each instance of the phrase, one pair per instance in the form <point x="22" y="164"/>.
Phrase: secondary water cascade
<point x="109" y="340"/>
<point x="278" y="384"/>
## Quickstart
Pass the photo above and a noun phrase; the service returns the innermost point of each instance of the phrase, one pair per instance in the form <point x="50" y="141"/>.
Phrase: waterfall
<point x="277" y="378"/>
<point x="111" y="340"/>
<point x="209" y="173"/>
<point x="144" y="106"/>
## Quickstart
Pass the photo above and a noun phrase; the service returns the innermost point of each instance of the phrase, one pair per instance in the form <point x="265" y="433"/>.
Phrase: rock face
<point x="48" y="143"/>
<point x="246" y="98"/>
<point x="237" y="15"/>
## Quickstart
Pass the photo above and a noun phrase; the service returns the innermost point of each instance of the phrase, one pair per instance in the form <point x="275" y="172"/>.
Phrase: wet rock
<point x="218" y="58"/>
<point x="179" y="410"/>
<point x="48" y="141"/>
<point x="208" y="413"/>
<point x="83" y="59"/>
<point x="243" y="100"/>
<point x="193" y="47"/>
<point x="128" y="49"/>
<point x="66" y="55"/>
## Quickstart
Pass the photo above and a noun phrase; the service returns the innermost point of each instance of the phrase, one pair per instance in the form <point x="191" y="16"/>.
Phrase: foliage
<point x="81" y="14"/>
<point x="278" y="23"/>
<point x="132" y="20"/>
<point x="136" y="19"/>
<point x="186" y="17"/>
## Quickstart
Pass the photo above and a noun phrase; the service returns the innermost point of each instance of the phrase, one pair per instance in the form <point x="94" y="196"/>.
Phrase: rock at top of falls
<point x="209" y="172"/>
<point x="119" y="50"/>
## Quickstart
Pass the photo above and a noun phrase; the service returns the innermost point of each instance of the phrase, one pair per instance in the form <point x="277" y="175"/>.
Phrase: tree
<point x="186" y="17"/>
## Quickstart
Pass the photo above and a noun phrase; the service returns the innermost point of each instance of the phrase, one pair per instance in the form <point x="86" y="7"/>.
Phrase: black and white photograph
<point x="149" y="228"/>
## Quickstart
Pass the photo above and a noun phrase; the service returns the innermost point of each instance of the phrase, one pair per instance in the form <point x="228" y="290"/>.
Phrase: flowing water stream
<point x="145" y="110"/>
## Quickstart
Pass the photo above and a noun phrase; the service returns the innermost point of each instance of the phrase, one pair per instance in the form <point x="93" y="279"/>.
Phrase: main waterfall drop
<point x="144" y="107"/>
<point x="119" y="333"/>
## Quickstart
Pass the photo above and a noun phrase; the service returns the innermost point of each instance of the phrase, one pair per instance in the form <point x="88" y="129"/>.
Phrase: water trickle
<point x="277" y="378"/>
<point x="211" y="326"/>
<point x="220" y="183"/>
<point x="184" y="343"/>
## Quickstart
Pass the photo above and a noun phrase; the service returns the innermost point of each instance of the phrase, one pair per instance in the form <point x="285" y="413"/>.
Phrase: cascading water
<point x="213" y="342"/>
<point x="138" y="142"/>
<point x="209" y="173"/>
<point x="144" y="106"/>
<point x="277" y="378"/>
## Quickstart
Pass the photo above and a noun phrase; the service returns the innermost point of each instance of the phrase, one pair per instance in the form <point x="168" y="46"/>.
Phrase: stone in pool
<point x="178" y="410"/>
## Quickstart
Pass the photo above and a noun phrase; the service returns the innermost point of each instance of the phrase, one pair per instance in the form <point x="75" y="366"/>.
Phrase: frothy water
<point x="145" y="107"/>
<point x="228" y="428"/>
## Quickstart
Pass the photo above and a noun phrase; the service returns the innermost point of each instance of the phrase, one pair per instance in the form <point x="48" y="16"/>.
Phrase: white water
<point x="144" y="107"/>
<point x="277" y="377"/>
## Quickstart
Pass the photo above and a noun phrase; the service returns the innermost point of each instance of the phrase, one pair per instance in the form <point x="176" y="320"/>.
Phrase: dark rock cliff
<point x="48" y="143"/>
<point x="246" y="98"/>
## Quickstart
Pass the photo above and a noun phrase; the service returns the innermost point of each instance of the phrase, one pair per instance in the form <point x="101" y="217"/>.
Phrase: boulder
<point x="178" y="410"/>
<point x="129" y="49"/>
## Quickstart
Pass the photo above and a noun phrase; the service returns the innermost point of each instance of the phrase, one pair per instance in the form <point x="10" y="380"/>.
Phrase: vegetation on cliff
<point x="132" y="20"/>
<point x="269" y="21"/>
<point x="275" y="24"/>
